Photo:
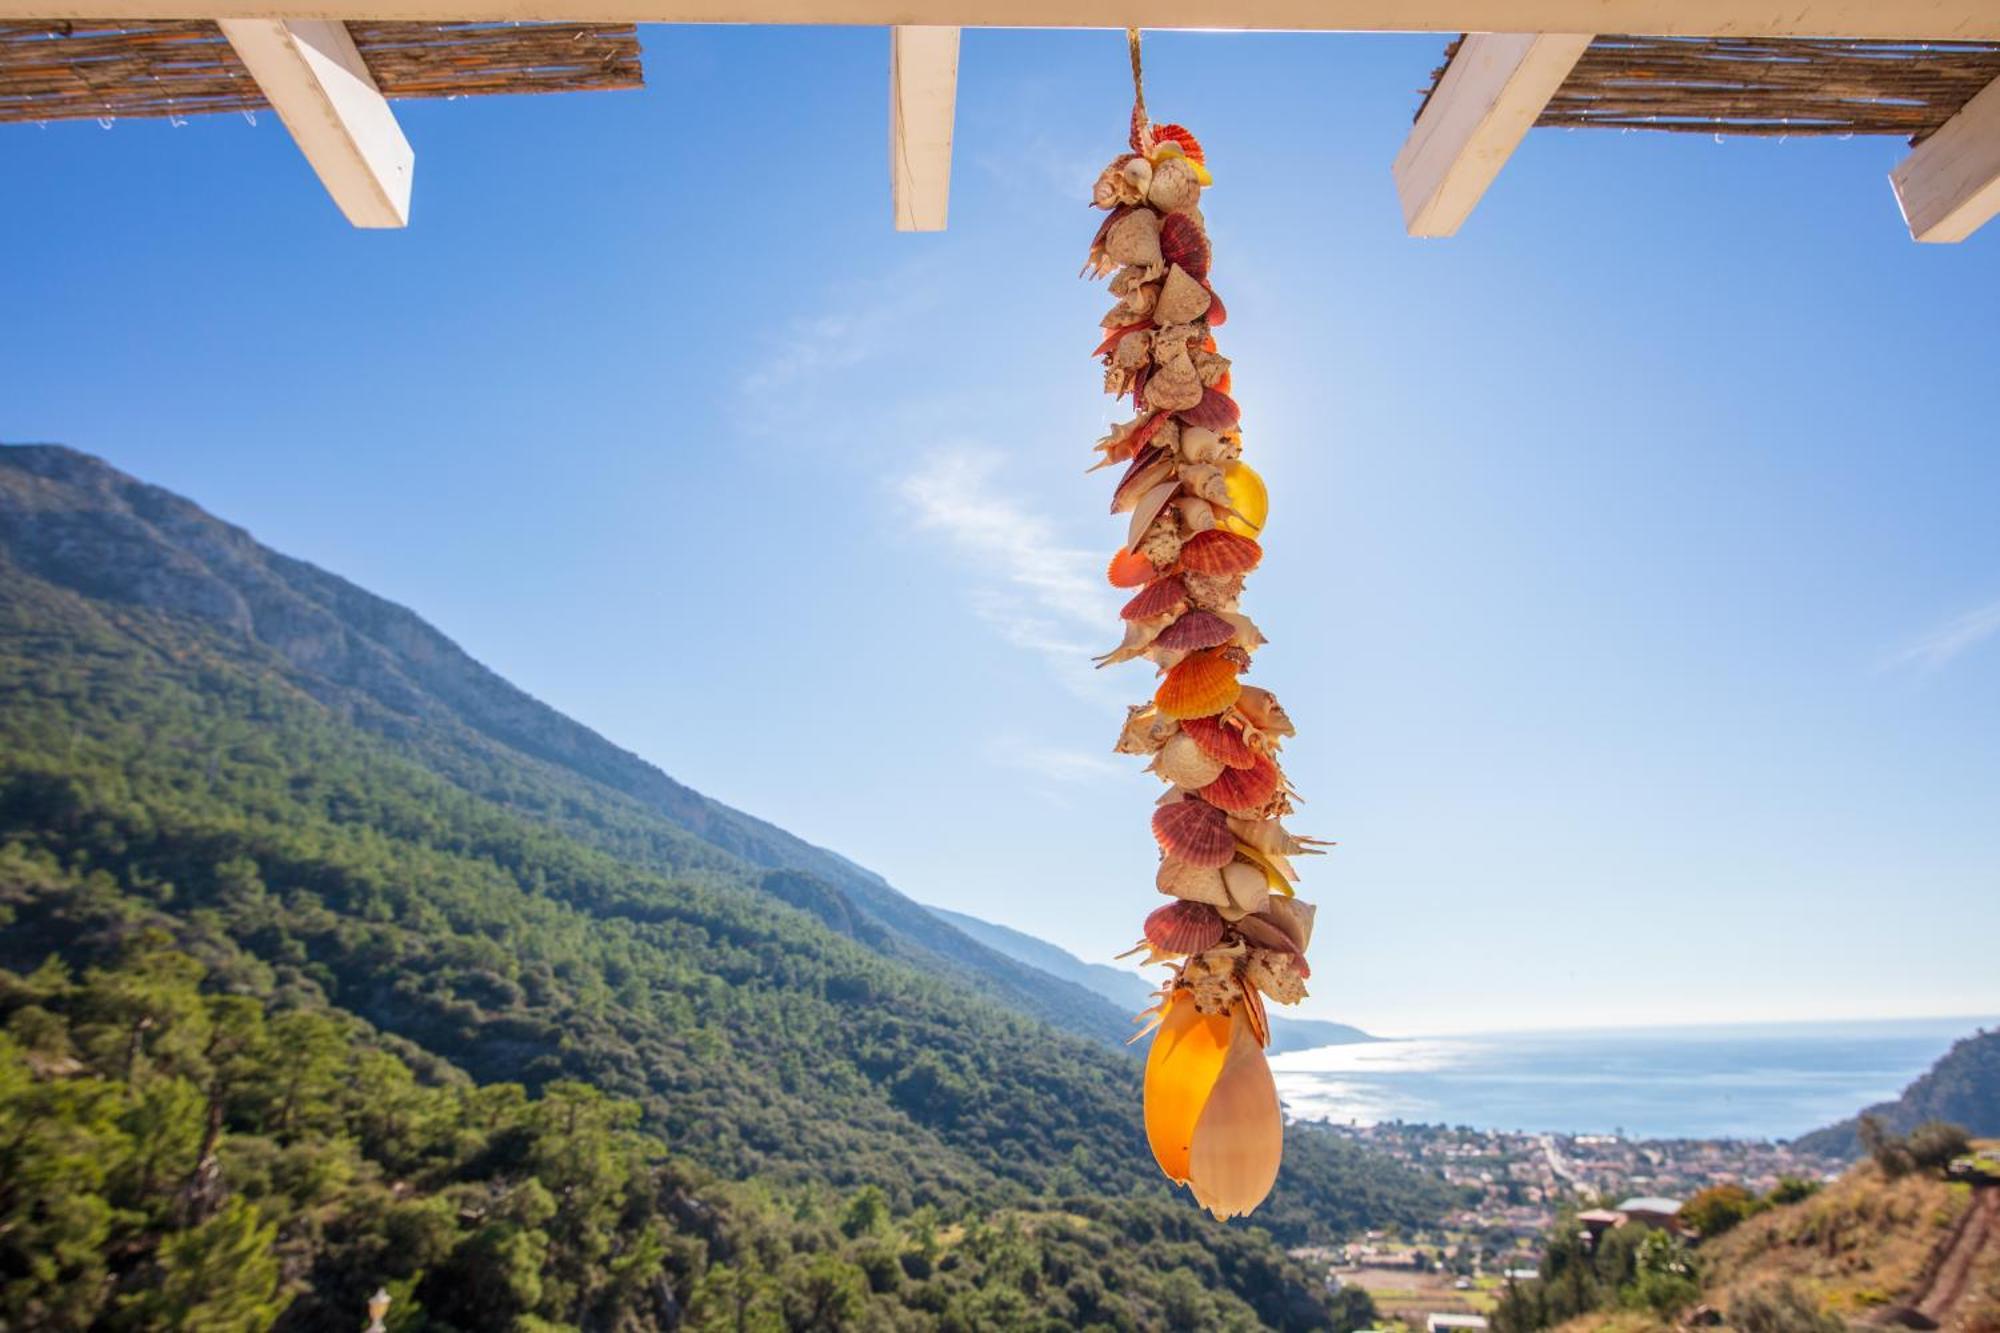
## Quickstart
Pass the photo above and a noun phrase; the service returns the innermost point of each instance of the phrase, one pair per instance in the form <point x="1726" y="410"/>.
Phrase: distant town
<point x="1446" y="1278"/>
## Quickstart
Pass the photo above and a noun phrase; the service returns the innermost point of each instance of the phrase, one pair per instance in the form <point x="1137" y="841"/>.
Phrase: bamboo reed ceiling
<point x="1772" y="86"/>
<point x="74" y="70"/>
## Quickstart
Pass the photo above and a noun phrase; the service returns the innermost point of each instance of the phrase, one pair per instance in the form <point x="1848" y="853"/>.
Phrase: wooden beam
<point x="1911" y="19"/>
<point x="1949" y="185"/>
<point x="316" y="82"/>
<point x="1489" y="97"/>
<point x="923" y="93"/>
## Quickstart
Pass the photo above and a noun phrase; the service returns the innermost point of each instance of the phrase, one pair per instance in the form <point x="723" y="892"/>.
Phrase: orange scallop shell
<point x="1221" y="552"/>
<point x="1129" y="569"/>
<point x="1156" y="599"/>
<point x="1190" y="146"/>
<point x="1184" y="927"/>
<point x="1217" y="411"/>
<point x="1117" y="336"/>
<point x="1240" y="790"/>
<point x="1181" y="242"/>
<point x="1195" y="630"/>
<point x="1201" y="685"/>
<point x="1220" y="741"/>
<point x="1195" y="832"/>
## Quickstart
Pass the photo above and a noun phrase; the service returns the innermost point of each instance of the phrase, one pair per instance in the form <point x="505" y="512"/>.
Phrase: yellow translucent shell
<point x="1247" y="497"/>
<point x="1181" y="1069"/>
<point x="1273" y="868"/>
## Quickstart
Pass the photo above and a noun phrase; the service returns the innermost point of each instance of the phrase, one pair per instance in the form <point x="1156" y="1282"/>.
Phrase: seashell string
<point x="1234" y="935"/>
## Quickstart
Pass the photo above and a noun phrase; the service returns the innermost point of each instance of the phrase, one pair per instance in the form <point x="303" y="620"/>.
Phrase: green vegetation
<point x="1929" y="1147"/>
<point x="171" y="1157"/>
<point x="1632" y="1267"/>
<point x="479" y="916"/>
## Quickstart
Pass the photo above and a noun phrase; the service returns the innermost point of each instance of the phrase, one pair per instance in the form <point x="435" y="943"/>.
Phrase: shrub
<point x="1934" y="1145"/>
<point x="1718" y="1208"/>
<point x="1782" y="1308"/>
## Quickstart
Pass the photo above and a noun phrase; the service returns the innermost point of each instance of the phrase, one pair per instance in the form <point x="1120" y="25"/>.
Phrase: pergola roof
<point x="1741" y="85"/>
<point x="73" y="70"/>
<point x="1925" y="69"/>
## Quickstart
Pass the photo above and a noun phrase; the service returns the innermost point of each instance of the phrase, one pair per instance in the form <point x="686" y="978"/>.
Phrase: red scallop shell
<point x="1217" y="314"/>
<point x="1184" y="927"/>
<point x="1195" y="832"/>
<point x="1244" y="790"/>
<point x="1216" y="411"/>
<point x="1179" y="134"/>
<point x="1129" y="569"/>
<point x="1221" y="552"/>
<point x="1156" y="599"/>
<point x="1182" y="242"/>
<point x="1219" y="741"/>
<point x="1194" y="631"/>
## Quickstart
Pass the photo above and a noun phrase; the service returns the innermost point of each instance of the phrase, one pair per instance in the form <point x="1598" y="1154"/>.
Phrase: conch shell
<point x="1174" y="185"/>
<point x="1134" y="239"/>
<point x="1197" y="884"/>
<point x="1182" y="300"/>
<point x="1146" y="730"/>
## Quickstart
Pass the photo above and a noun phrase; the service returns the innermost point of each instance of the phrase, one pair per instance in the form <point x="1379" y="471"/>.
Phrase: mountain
<point x="1962" y="1088"/>
<point x="1128" y="990"/>
<point x="225" y="770"/>
<point x="71" y="521"/>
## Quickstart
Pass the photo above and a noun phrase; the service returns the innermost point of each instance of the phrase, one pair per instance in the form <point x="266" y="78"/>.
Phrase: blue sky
<point x="1632" y="574"/>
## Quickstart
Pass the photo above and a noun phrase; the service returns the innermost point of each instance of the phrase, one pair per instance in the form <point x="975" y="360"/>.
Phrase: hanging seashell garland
<point x="1234" y="935"/>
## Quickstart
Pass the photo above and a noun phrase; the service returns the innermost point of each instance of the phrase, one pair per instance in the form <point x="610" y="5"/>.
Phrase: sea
<point x="1762" y="1081"/>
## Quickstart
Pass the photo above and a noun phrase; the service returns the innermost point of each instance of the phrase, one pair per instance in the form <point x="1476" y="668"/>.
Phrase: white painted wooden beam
<point x="1912" y="19"/>
<point x="1490" y="95"/>
<point x="923" y="94"/>
<point x="315" y="81"/>
<point x="1949" y="185"/>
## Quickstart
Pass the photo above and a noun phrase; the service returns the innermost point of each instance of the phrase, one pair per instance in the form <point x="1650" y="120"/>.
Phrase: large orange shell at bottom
<point x="1181" y="1068"/>
<point x="1200" y="685"/>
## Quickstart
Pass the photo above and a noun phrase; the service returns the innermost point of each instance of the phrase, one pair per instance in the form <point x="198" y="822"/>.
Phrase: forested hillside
<point x="1962" y="1088"/>
<point x="365" y="854"/>
<point x="176" y="1158"/>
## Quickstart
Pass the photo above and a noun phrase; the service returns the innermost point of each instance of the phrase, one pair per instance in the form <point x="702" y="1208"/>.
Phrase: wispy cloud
<point x="1054" y="763"/>
<point x="811" y="360"/>
<point x="1042" y="595"/>
<point x="1943" y="645"/>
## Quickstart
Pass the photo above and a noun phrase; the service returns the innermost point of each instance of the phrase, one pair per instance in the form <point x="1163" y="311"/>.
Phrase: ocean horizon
<point x="1700" y="1081"/>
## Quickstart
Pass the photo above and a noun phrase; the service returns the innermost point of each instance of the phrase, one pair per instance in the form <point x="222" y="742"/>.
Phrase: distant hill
<point x="1962" y="1088"/>
<point x="1129" y="990"/>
